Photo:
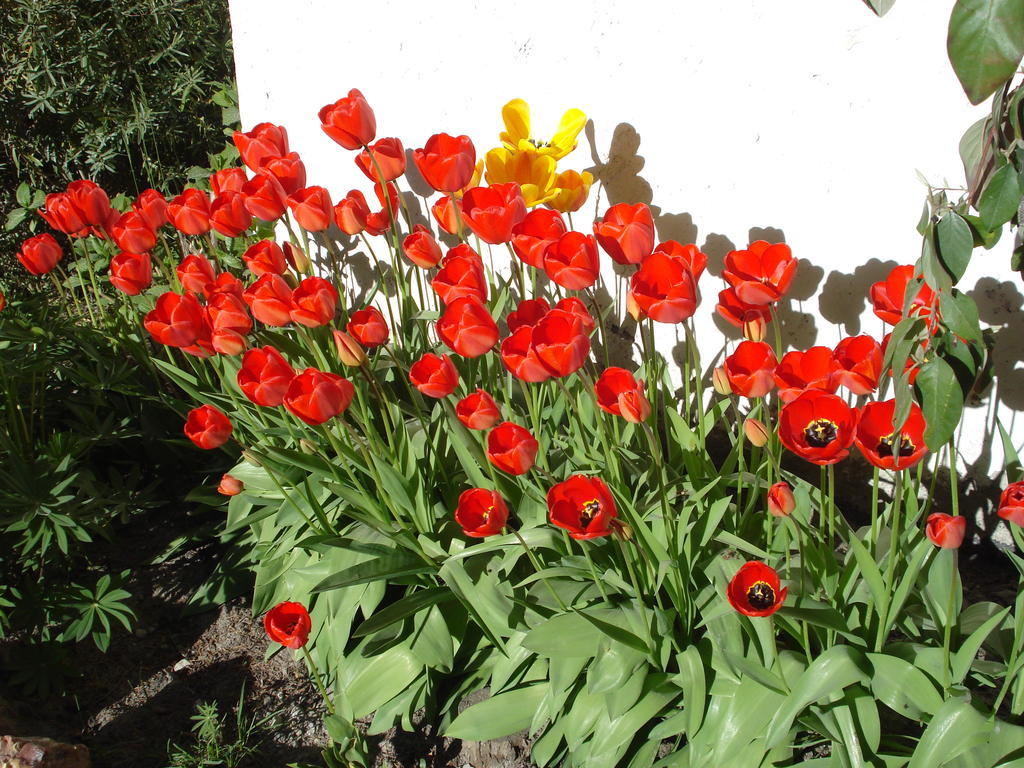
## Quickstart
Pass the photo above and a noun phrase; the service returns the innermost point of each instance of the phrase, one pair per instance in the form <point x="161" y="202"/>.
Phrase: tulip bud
<point x="230" y="486"/>
<point x="349" y="350"/>
<point x="754" y="328"/>
<point x="780" y="500"/>
<point x="720" y="381"/>
<point x="621" y="529"/>
<point x="307" y="447"/>
<point x="252" y="458"/>
<point x="757" y="433"/>
<point x="297" y="258"/>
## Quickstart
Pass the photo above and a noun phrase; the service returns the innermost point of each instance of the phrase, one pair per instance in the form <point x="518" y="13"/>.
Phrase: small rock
<point x="181" y="664"/>
<point x="38" y="752"/>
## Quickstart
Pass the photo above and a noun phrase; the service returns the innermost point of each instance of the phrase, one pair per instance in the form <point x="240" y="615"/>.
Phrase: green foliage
<point x="985" y="44"/>
<point x="215" y="742"/>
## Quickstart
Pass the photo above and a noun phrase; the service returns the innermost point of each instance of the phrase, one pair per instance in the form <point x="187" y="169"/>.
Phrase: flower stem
<point x="319" y="682"/>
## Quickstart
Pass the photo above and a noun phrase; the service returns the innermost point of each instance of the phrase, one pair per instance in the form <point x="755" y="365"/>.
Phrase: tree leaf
<point x="942" y="401"/>
<point x="985" y="44"/>
<point x="960" y="314"/>
<point x="880" y="7"/>
<point x="1000" y="198"/>
<point x="955" y="243"/>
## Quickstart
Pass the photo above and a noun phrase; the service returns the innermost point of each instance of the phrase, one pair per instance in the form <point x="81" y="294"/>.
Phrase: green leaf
<point x="903" y="687"/>
<point x="838" y="667"/>
<point x="401" y="563"/>
<point x="954" y="729"/>
<point x="616" y="633"/>
<point x="14" y="218"/>
<point x="955" y="244"/>
<point x="373" y="681"/>
<point x="985" y="44"/>
<point x="23" y="195"/>
<point x="400" y="609"/>
<point x="1001" y="196"/>
<point x="498" y="716"/>
<point x="567" y="634"/>
<point x="964" y="657"/>
<point x="942" y="401"/>
<point x="960" y="314"/>
<point x="880" y="7"/>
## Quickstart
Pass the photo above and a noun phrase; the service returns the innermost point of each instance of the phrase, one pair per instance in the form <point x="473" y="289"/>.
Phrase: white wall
<point x="807" y="116"/>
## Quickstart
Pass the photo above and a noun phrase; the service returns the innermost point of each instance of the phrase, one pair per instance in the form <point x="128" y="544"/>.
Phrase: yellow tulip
<point x="516" y="136"/>
<point x="571" y="190"/>
<point x="532" y="171"/>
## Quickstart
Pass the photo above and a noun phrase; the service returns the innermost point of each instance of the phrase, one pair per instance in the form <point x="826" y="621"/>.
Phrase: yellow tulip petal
<point x="564" y="140"/>
<point x="516" y="115"/>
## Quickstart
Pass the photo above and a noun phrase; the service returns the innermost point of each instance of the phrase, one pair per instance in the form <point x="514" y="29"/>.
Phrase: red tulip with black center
<point x="814" y="368"/>
<point x="818" y="427"/>
<point x="289" y="624"/>
<point x="532" y="236"/>
<point x="751" y="369"/>
<point x="264" y="376"/>
<point x="664" y="288"/>
<point x="511" y="448"/>
<point x="318" y="396"/>
<point x="860" y="364"/>
<point x="467" y="328"/>
<point x="491" y="212"/>
<point x="762" y="273"/>
<point x="434" y="375"/>
<point x="755" y="590"/>
<point x="626" y="233"/>
<point x="561" y="343"/>
<point x="461" y="275"/>
<point x="583" y="506"/>
<point x="885" y="446"/>
<point x="572" y="261"/>
<point x="481" y="512"/>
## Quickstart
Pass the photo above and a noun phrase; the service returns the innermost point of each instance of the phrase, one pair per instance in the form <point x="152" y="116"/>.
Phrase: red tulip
<point x="312" y="208"/>
<point x="207" y="427"/>
<point x="877" y="439"/>
<point x="270" y="300"/>
<point x="478" y="410"/>
<point x="227" y="180"/>
<point x="583" y="506"/>
<point x="620" y="394"/>
<point x="446" y="215"/>
<point x="368" y="327"/>
<point x="131" y="273"/>
<point x="761" y="274"/>
<point x="318" y="396"/>
<point x="195" y="272"/>
<point x="263" y="142"/>
<point x="289" y="171"/>
<point x="229" y="215"/>
<point x="739" y="313"/>
<point x="561" y="343"/>
<point x="288" y="624"/>
<point x="888" y="297"/>
<point x="945" y="530"/>
<point x="755" y="590"/>
<point x="467" y="328"/>
<point x="694" y="259"/>
<point x="781" y="501"/>
<point x="351" y="213"/>
<point x="229" y="320"/>
<point x="40" y="254"/>
<point x="189" y="212"/>
<point x="664" y="288"/>
<point x="265" y="258"/>
<point x="434" y="376"/>
<point x="3" y="301"/>
<point x="1011" y="503"/>
<point x="177" y="320"/>
<point x="574" y="306"/>
<point x="349" y="121"/>
<point x="389" y="156"/>
<point x="511" y="448"/>
<point x="230" y="485"/>
<point x="264" y="197"/>
<point x="153" y="208"/>
<point x="481" y="512"/>
<point x="572" y="262"/>
<point x="520" y="357"/>
<point x="531" y="237"/>
<point x="420" y="247"/>
<point x="132" y="233"/>
<point x="61" y="214"/>
<point x="461" y="275"/>
<point x="798" y="371"/>
<point x="751" y="369"/>
<point x="224" y="283"/>
<point x="859" y="361"/>
<point x="626" y="233"/>
<point x="314" y="302"/>
<point x="491" y="212"/>
<point x="528" y="313"/>
<point x="818" y="427"/>
<point x="91" y="201"/>
<point x="446" y="162"/>
<point x="264" y="376"/>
